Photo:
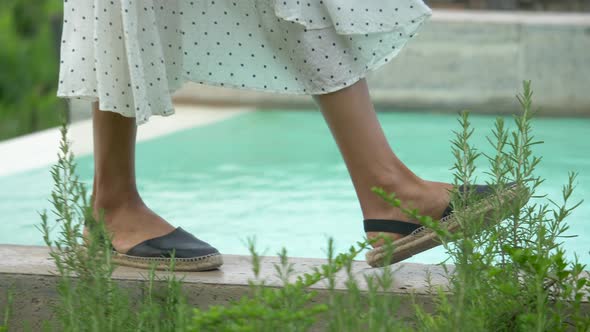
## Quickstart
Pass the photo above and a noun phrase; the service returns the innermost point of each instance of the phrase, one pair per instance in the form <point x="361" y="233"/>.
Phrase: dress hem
<point x="385" y="58"/>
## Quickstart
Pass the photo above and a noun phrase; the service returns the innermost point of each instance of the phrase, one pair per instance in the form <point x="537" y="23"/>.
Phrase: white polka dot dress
<point x="131" y="55"/>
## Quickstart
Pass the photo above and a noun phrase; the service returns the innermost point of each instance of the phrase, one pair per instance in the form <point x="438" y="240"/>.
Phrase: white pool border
<point x="40" y="149"/>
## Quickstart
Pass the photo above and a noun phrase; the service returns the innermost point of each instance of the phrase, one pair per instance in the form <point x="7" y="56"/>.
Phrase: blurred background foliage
<point x="30" y="33"/>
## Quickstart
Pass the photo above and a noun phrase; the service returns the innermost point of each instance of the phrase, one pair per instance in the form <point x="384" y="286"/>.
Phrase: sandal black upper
<point x="390" y="226"/>
<point x="181" y="242"/>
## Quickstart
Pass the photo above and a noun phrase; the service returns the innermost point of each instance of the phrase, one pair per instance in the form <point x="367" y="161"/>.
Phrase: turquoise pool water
<point x="278" y="176"/>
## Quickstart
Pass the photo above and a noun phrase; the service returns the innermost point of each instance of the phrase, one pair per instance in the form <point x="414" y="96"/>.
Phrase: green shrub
<point x="512" y="276"/>
<point x="4" y="326"/>
<point x="29" y="66"/>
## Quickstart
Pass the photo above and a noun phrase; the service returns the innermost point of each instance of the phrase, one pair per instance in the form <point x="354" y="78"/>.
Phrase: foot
<point x="428" y="197"/>
<point x="131" y="222"/>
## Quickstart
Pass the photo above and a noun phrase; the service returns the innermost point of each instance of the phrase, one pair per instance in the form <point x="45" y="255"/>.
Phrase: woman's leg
<point x="370" y="160"/>
<point x="126" y="216"/>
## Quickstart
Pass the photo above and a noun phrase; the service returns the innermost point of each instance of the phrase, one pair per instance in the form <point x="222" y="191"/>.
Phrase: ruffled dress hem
<point x="380" y="39"/>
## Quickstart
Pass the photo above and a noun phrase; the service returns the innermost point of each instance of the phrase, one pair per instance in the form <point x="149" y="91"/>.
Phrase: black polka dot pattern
<point x="132" y="55"/>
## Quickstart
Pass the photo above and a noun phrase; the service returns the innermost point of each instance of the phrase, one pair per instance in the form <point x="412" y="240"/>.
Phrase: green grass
<point x="510" y="277"/>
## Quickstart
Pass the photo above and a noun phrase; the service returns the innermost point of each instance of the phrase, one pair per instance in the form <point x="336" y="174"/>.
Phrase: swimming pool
<point x="278" y="176"/>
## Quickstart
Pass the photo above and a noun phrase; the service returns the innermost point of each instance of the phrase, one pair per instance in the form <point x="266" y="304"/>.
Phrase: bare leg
<point x="127" y="217"/>
<point x="370" y="160"/>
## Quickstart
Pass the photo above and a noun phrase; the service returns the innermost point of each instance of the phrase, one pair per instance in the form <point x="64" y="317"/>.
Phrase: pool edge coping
<point x="236" y="271"/>
<point x="26" y="271"/>
<point x="39" y="149"/>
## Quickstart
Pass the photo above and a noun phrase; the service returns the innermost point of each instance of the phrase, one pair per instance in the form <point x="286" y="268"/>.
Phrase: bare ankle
<point x="409" y="192"/>
<point x="113" y="200"/>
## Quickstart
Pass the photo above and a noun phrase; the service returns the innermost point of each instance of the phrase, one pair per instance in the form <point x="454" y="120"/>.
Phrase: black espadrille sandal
<point x="419" y="238"/>
<point x="190" y="253"/>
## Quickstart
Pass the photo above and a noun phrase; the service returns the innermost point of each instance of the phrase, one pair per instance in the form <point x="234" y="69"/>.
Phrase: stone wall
<point x="537" y="5"/>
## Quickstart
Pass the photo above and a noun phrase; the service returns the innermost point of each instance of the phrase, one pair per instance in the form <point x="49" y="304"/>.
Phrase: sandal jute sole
<point x="203" y="263"/>
<point x="424" y="238"/>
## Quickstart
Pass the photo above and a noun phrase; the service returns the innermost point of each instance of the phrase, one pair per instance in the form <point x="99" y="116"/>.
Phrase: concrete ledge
<point x="29" y="273"/>
<point x="472" y="60"/>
